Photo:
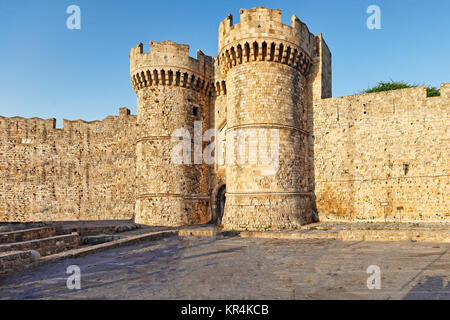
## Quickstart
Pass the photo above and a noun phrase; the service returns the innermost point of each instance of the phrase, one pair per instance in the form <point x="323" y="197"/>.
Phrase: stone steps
<point x="15" y="261"/>
<point x="27" y="235"/>
<point x="87" y="250"/>
<point x="16" y="256"/>
<point x="45" y="246"/>
<point x="30" y="243"/>
<point x="26" y="246"/>
<point x="93" y="228"/>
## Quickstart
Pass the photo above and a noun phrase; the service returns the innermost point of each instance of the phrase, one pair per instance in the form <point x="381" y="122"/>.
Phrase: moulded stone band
<point x="268" y="125"/>
<point x="269" y="193"/>
<point x="175" y="195"/>
<point x="156" y="138"/>
<point x="153" y="138"/>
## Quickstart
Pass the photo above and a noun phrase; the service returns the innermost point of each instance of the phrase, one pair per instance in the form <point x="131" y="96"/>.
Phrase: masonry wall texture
<point x="85" y="171"/>
<point x="390" y="147"/>
<point x="363" y="157"/>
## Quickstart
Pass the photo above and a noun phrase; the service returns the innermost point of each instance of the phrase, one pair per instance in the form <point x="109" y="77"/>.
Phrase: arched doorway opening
<point x="220" y="204"/>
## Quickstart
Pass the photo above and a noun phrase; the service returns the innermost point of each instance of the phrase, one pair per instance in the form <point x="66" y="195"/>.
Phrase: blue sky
<point x="47" y="70"/>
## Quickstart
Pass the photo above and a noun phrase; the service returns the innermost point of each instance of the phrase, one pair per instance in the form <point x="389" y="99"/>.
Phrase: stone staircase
<point x="22" y="246"/>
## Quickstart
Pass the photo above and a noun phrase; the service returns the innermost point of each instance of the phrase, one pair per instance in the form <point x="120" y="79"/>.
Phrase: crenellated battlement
<point x="445" y="90"/>
<point x="261" y="36"/>
<point x="168" y="63"/>
<point x="23" y="131"/>
<point x="20" y="123"/>
<point x="27" y="128"/>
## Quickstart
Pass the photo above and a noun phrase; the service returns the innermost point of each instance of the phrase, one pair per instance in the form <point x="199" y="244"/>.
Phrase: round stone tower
<point x="266" y="64"/>
<point x="173" y="92"/>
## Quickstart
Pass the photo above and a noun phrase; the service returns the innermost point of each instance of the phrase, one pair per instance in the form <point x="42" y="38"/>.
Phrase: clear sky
<point x="47" y="70"/>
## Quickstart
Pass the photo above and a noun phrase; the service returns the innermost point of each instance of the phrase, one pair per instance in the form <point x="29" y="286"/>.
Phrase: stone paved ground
<point x="238" y="268"/>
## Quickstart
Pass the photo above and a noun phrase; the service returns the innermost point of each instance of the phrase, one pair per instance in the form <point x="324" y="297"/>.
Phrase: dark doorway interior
<point x="220" y="203"/>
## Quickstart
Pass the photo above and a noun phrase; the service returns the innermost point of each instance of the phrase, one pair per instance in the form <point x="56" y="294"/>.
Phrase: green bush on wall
<point x="433" y="92"/>
<point x="395" y="85"/>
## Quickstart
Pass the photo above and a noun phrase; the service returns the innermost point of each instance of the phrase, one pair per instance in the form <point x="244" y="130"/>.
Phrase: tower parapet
<point x="169" y="63"/>
<point x="260" y="36"/>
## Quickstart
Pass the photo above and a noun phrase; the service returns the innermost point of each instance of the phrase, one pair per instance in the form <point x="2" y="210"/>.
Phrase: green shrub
<point x="433" y="92"/>
<point x="395" y="85"/>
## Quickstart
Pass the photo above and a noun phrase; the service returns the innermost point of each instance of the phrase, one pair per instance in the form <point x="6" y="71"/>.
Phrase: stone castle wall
<point x="339" y="157"/>
<point x="389" y="147"/>
<point x="82" y="172"/>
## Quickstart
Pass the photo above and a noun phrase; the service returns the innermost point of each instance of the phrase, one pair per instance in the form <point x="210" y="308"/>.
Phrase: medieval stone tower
<point x="173" y="93"/>
<point x="266" y="65"/>
<point x="258" y="91"/>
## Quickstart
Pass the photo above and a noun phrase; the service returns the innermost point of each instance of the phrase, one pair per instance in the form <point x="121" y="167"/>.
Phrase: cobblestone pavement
<point x="238" y="268"/>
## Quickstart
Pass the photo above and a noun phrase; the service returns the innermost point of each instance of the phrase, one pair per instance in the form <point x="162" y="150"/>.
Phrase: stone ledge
<point x="98" y="239"/>
<point x="198" y="232"/>
<point x="289" y="235"/>
<point x="442" y="236"/>
<point x="14" y="261"/>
